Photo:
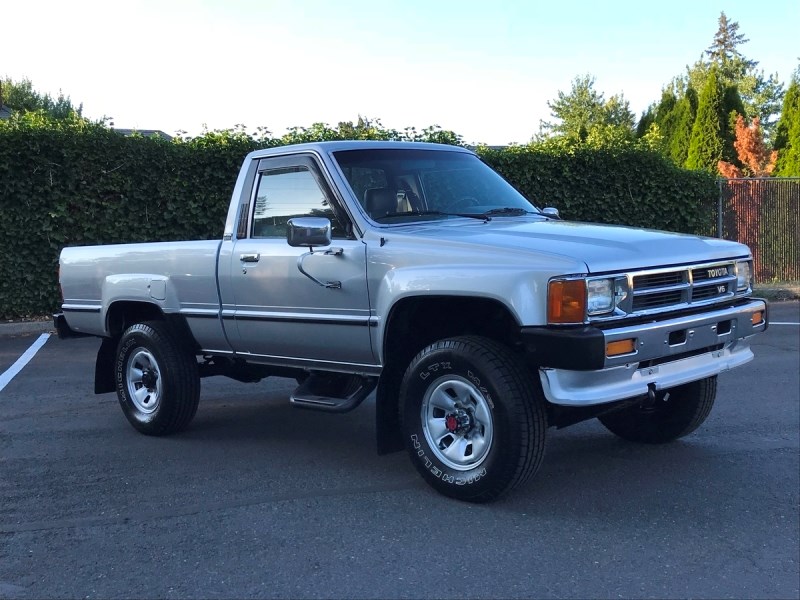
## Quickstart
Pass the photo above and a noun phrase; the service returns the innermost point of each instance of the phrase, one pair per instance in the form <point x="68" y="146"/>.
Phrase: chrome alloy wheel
<point x="144" y="380"/>
<point x="457" y="422"/>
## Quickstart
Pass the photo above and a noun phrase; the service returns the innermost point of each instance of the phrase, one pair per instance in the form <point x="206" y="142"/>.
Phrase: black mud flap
<point x="104" y="367"/>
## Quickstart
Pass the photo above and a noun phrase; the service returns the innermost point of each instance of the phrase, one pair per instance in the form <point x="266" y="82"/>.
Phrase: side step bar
<point x="332" y="392"/>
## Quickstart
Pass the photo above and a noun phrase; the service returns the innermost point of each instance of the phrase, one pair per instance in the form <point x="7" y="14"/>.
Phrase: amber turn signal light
<point x="757" y="318"/>
<point x="620" y="347"/>
<point x="566" y="301"/>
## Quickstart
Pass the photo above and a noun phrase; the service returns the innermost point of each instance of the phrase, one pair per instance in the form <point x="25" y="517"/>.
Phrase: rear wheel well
<point x="119" y="317"/>
<point x="122" y="315"/>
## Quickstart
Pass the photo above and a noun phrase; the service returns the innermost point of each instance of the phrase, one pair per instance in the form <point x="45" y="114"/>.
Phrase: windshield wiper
<point x="436" y="213"/>
<point x="508" y="210"/>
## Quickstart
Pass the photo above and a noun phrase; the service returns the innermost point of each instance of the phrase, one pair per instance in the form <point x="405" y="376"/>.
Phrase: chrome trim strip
<point x="310" y="363"/>
<point x="90" y="308"/>
<point x="677" y="287"/>
<point x="299" y="318"/>
<point x="200" y="314"/>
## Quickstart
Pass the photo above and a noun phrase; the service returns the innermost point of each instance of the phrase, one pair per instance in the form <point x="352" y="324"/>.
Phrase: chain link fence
<point x="763" y="213"/>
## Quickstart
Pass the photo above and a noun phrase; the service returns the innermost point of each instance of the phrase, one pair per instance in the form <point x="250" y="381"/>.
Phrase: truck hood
<point x="601" y="248"/>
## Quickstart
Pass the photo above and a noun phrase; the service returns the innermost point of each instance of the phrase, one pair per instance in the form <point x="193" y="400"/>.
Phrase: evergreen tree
<point x="761" y="95"/>
<point x="787" y="132"/>
<point x="682" y="119"/>
<point x="732" y="108"/>
<point x="724" y="52"/>
<point x="708" y="132"/>
<point x="647" y="119"/>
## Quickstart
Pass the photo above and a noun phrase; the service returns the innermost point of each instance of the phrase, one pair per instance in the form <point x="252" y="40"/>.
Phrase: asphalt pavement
<point x="259" y="499"/>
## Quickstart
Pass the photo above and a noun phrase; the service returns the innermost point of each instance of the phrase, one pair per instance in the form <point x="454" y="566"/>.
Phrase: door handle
<point x="249" y="258"/>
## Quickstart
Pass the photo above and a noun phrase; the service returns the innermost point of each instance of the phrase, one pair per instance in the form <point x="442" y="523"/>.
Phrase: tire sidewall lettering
<point x="428" y="373"/>
<point x="127" y="345"/>
<point x="439" y="473"/>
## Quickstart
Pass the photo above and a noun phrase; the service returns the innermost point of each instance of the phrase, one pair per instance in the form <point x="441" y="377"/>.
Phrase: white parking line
<point x="782" y="323"/>
<point x="23" y="360"/>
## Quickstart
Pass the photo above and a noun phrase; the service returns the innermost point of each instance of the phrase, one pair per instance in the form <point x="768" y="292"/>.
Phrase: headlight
<point x="744" y="275"/>
<point x="600" y="296"/>
<point x="571" y="301"/>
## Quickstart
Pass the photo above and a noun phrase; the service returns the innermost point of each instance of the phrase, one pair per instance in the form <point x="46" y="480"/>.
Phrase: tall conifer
<point x="707" y="141"/>
<point x="787" y="133"/>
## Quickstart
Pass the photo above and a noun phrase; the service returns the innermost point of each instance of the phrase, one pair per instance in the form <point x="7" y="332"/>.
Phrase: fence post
<point x="719" y="209"/>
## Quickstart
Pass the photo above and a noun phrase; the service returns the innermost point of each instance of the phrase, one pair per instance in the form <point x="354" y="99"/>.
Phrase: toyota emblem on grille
<point x="717" y="272"/>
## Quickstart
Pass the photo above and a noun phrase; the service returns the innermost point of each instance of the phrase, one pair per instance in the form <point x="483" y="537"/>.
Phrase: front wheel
<point x="473" y="418"/>
<point x="674" y="413"/>
<point x="158" y="383"/>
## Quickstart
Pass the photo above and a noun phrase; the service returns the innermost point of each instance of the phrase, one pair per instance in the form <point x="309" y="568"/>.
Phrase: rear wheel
<point x="473" y="419"/>
<point x="674" y="413"/>
<point x="157" y="379"/>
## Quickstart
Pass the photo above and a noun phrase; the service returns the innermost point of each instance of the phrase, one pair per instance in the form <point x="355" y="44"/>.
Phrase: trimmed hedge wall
<point x="74" y="183"/>
<point x="628" y="187"/>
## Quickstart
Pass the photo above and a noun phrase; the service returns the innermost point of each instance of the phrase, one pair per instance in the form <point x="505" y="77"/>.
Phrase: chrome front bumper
<point x="722" y="333"/>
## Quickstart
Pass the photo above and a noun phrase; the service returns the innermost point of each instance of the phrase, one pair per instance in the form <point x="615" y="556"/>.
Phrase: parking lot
<point x="259" y="499"/>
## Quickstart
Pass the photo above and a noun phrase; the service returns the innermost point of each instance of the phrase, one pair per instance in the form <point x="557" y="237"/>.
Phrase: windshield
<point x="398" y="185"/>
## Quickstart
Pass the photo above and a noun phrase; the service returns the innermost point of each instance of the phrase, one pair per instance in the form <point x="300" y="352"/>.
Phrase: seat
<point x="379" y="202"/>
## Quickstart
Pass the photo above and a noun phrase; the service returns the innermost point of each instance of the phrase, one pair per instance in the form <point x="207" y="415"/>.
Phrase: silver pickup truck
<point x="415" y="271"/>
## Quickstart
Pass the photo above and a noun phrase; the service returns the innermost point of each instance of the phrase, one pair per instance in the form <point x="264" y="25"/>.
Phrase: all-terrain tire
<point x="473" y="418"/>
<point x="157" y="379"/>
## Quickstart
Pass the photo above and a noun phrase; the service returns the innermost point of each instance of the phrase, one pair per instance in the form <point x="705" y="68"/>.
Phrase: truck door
<point x="280" y="314"/>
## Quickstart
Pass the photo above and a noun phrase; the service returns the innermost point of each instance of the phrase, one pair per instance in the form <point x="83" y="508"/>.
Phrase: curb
<point x="26" y="328"/>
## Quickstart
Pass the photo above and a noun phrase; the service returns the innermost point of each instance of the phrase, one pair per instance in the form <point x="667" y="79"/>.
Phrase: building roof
<point x="5" y="112"/>
<point x="144" y="133"/>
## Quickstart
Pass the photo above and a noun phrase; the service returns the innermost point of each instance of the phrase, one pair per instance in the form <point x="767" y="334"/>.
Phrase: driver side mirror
<point x="551" y="212"/>
<point x="308" y="232"/>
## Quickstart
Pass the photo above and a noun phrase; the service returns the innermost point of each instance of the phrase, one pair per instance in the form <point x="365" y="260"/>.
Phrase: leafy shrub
<point x="71" y="182"/>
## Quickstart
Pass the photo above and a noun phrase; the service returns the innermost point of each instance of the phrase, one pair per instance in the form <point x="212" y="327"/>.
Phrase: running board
<point x="332" y="392"/>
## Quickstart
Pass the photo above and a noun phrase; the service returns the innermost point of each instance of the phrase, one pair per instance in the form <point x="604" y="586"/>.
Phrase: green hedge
<point x="74" y="183"/>
<point x="621" y="186"/>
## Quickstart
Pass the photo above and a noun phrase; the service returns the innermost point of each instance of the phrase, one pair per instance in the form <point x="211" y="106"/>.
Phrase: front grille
<point x="681" y="287"/>
<point x="655" y="280"/>
<point x="656" y="300"/>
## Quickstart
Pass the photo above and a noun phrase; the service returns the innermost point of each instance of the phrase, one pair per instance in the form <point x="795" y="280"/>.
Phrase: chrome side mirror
<point x="308" y="232"/>
<point x="550" y="212"/>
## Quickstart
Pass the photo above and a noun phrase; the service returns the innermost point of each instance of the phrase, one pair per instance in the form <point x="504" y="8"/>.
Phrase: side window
<point x="285" y="193"/>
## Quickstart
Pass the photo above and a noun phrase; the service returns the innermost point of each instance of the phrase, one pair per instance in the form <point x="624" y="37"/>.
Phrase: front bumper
<point x="577" y="371"/>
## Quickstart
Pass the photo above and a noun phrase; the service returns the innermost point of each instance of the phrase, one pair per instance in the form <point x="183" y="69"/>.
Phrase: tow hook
<point x="650" y="402"/>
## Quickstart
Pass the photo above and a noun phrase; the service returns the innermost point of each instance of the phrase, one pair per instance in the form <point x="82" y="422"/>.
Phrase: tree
<point x="732" y="108"/>
<point x="755" y="158"/>
<point x="787" y="132"/>
<point x="682" y="119"/>
<point x="584" y="109"/>
<point x="756" y="161"/>
<point x="21" y="97"/>
<point x="724" y="52"/>
<point x="761" y="95"/>
<point x="708" y="132"/>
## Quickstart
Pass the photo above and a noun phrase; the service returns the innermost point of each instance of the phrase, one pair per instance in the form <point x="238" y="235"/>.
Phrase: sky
<point x="484" y="69"/>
